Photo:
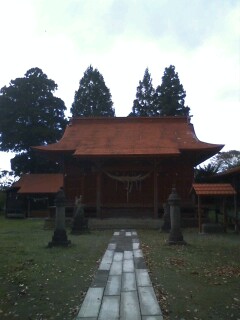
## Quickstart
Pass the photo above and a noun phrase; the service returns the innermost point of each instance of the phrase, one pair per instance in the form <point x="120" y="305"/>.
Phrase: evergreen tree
<point x="145" y="103"/>
<point x="226" y="160"/>
<point x="30" y="115"/>
<point x="93" y="98"/>
<point x="171" y="95"/>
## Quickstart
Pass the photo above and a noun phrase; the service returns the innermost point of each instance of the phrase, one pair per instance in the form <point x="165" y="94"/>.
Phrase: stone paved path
<point x="121" y="289"/>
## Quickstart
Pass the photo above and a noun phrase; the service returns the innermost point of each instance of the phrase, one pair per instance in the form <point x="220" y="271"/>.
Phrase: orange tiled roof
<point x="211" y="189"/>
<point x="39" y="183"/>
<point x="161" y="136"/>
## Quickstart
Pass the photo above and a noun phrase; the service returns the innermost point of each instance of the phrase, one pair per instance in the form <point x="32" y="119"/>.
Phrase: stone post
<point x="166" y="218"/>
<point x="60" y="237"/>
<point x="79" y="223"/>
<point x="175" y="236"/>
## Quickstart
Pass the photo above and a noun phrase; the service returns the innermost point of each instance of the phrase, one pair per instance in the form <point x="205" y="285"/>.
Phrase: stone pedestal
<point x="175" y="236"/>
<point x="80" y="222"/>
<point x="60" y="236"/>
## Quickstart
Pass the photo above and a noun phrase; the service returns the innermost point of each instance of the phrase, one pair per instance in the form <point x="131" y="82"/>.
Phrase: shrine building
<point x="128" y="166"/>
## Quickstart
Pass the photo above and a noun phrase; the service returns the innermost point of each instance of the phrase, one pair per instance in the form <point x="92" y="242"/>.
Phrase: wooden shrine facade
<point x="128" y="165"/>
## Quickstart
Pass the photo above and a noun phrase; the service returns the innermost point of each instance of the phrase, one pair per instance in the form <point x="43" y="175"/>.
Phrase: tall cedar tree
<point x="144" y="104"/>
<point x="30" y="115"/>
<point x="93" y="98"/>
<point x="171" y="95"/>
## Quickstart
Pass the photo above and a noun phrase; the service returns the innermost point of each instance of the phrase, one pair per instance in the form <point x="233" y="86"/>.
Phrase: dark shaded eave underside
<point x="197" y="155"/>
<point x="200" y="155"/>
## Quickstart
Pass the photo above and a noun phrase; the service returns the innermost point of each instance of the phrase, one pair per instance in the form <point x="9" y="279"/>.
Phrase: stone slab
<point x="143" y="278"/>
<point x="138" y="253"/>
<point x="118" y="256"/>
<point x="112" y="246"/>
<point x="135" y="245"/>
<point x="86" y="318"/>
<point x="123" y="246"/>
<point x="105" y="263"/>
<point x="116" y="268"/>
<point x="128" y="265"/>
<point x="100" y="279"/>
<point x="139" y="263"/>
<point x="128" y="255"/>
<point x="110" y="308"/>
<point x="129" y="307"/>
<point x="129" y="281"/>
<point x="108" y="254"/>
<point x="106" y="260"/>
<point x="128" y="234"/>
<point x="113" y="286"/>
<point x="116" y="233"/>
<point x="135" y="240"/>
<point x="148" y="302"/>
<point x="152" y="318"/>
<point x="91" y="304"/>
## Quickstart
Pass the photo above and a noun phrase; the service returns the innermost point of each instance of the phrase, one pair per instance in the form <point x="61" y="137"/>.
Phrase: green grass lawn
<point x="198" y="281"/>
<point x="42" y="283"/>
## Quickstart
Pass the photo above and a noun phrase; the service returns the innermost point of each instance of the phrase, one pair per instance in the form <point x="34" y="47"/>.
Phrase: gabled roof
<point x="131" y="136"/>
<point x="213" y="189"/>
<point x="39" y="183"/>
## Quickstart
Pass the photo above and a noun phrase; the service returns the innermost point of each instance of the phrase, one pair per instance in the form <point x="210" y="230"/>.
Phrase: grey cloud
<point x="98" y="24"/>
<point x="116" y="17"/>
<point x="230" y="94"/>
<point x="188" y="22"/>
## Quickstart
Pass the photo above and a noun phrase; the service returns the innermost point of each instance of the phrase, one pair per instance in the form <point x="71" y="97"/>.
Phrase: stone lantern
<point x="60" y="237"/>
<point x="175" y="236"/>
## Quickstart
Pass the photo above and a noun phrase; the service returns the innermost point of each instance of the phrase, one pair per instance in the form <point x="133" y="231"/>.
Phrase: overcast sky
<point x="121" y="38"/>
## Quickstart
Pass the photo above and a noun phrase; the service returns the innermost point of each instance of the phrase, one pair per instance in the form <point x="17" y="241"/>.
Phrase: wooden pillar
<point x="63" y="170"/>
<point x="236" y="213"/>
<point x="28" y="207"/>
<point x="98" y="196"/>
<point x="83" y="185"/>
<point x="199" y="215"/>
<point x="155" y="188"/>
<point x="224" y="214"/>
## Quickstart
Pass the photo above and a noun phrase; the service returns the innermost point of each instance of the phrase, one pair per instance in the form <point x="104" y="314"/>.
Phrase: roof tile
<point x="209" y="189"/>
<point x="130" y="136"/>
<point x="39" y="183"/>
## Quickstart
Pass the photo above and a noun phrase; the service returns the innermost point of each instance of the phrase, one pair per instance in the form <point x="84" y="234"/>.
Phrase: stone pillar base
<point x="59" y="239"/>
<point x="171" y="242"/>
<point x="175" y="235"/>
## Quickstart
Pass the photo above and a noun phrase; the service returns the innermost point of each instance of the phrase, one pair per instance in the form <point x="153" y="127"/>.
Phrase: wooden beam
<point x="155" y="190"/>
<point x="199" y="215"/>
<point x="236" y="213"/>
<point x="224" y="214"/>
<point x="98" y="196"/>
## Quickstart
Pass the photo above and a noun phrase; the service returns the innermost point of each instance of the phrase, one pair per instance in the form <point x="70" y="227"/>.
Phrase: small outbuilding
<point x="32" y="195"/>
<point x="207" y="192"/>
<point x="231" y="176"/>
